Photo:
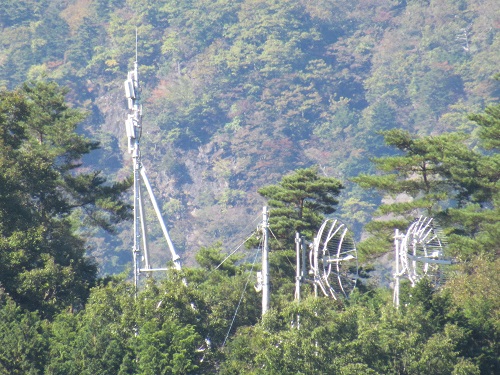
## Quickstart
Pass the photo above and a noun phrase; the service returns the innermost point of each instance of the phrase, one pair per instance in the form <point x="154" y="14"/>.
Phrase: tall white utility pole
<point x="133" y="126"/>
<point x="300" y="272"/>
<point x="315" y="265"/>
<point x="265" y="261"/>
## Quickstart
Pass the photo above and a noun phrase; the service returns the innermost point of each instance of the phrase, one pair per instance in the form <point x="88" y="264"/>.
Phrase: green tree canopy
<point x="42" y="182"/>
<point x="428" y="336"/>
<point x="442" y="177"/>
<point x="23" y="339"/>
<point x="299" y="202"/>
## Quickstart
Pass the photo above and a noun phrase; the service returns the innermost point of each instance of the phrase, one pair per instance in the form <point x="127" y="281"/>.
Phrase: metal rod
<point x="136" y="247"/>
<point x="427" y="260"/>
<point x="136" y="37"/>
<point x="298" y="248"/>
<point x="265" y="261"/>
<point x="153" y="269"/>
<point x="315" y="265"/>
<point x="175" y="257"/>
<point x="140" y="201"/>
<point x="303" y="272"/>
<point x="395" y="298"/>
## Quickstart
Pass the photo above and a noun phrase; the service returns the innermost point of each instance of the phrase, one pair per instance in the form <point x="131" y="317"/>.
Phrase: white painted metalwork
<point x="334" y="260"/>
<point x="133" y="129"/>
<point x="300" y="262"/>
<point x="419" y="253"/>
<point x="265" y="260"/>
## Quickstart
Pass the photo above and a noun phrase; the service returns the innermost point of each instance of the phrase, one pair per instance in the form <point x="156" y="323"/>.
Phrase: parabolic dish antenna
<point x="422" y="251"/>
<point x="334" y="259"/>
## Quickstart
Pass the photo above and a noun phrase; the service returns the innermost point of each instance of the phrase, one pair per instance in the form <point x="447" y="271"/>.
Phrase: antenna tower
<point x="133" y="127"/>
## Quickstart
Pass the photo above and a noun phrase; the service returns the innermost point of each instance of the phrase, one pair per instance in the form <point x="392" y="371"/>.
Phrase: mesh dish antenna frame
<point x="423" y="244"/>
<point x="419" y="253"/>
<point x="334" y="260"/>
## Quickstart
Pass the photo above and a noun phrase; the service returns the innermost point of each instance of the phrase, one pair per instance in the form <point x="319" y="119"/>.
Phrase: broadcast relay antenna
<point x="334" y="260"/>
<point x="419" y="254"/>
<point x="133" y="127"/>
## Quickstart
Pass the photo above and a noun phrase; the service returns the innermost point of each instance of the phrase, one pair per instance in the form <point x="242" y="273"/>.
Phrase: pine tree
<point x="437" y="176"/>
<point x="42" y="260"/>
<point x="299" y="202"/>
<point x="479" y="229"/>
<point x="23" y="339"/>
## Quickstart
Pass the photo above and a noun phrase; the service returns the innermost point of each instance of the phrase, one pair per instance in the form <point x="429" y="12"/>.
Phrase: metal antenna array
<point x="334" y="260"/>
<point x="419" y="254"/>
<point x="133" y="126"/>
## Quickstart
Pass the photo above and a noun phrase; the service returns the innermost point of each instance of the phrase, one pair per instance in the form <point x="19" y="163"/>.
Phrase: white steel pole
<point x="315" y="266"/>
<point x="145" y="249"/>
<point x="298" y="270"/>
<point x="136" y="249"/>
<point x="175" y="257"/>
<point x="303" y="273"/>
<point x="395" y="298"/>
<point x="133" y="127"/>
<point x="265" y="261"/>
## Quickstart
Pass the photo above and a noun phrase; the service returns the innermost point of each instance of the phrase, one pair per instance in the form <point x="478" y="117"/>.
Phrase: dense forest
<point x="373" y="112"/>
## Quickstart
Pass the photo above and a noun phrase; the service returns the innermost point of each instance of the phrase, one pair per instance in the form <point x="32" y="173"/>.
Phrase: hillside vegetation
<point x="371" y="111"/>
<point x="237" y="94"/>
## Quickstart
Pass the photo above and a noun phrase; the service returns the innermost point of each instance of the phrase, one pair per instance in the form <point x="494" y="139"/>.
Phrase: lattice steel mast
<point x="133" y="126"/>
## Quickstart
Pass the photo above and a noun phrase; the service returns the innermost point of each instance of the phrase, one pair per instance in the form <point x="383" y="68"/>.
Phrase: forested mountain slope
<point x="239" y="93"/>
<point x="373" y="111"/>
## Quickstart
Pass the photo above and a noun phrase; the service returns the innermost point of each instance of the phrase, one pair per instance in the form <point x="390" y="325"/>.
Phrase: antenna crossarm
<point x="429" y="260"/>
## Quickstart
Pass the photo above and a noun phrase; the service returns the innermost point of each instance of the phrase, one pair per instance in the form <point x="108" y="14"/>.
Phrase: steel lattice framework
<point x="133" y="127"/>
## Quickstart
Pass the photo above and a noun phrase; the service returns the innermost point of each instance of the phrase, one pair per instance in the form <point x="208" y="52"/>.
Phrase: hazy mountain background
<point x="238" y="93"/>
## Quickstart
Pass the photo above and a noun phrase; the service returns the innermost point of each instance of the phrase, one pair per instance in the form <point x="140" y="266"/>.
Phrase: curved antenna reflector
<point x="334" y="259"/>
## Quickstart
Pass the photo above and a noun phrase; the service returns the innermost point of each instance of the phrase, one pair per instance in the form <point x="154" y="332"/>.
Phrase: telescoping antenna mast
<point x="133" y="126"/>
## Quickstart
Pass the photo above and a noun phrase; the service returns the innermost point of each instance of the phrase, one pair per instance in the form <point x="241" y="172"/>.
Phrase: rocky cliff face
<point x="192" y="188"/>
